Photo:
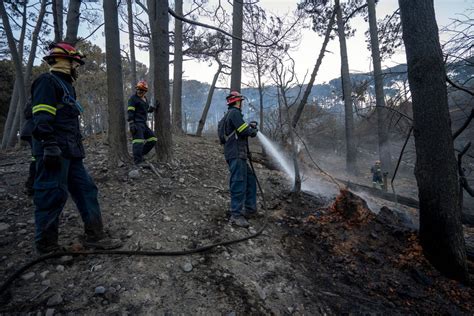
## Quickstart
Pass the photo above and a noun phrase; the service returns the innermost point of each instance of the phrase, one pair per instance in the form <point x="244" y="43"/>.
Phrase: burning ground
<point x="318" y="254"/>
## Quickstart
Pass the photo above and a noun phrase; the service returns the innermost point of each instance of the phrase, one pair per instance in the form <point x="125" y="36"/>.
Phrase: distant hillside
<point x="326" y="94"/>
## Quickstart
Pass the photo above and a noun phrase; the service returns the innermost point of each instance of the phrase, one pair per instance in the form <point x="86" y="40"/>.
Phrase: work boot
<point x="105" y="243"/>
<point x="239" y="221"/>
<point x="251" y="214"/>
<point x="44" y="250"/>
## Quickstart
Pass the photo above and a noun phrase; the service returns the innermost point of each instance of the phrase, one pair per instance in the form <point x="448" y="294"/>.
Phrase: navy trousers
<point x="243" y="188"/>
<point x="143" y="141"/>
<point x="51" y="193"/>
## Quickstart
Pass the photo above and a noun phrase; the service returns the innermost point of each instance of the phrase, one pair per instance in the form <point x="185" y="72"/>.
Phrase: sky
<point x="307" y="52"/>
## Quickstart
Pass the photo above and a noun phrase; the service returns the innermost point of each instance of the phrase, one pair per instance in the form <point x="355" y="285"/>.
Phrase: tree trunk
<point x="351" y="152"/>
<point x="294" y="152"/>
<point x="18" y="107"/>
<point x="441" y="232"/>
<point x="17" y="60"/>
<point x="117" y="136"/>
<point x="306" y="93"/>
<point x="72" y="21"/>
<point x="131" y="38"/>
<point x="11" y="114"/>
<point x="202" y="121"/>
<point x="178" y="69"/>
<point x="158" y="14"/>
<point x="382" y="126"/>
<point x="237" y="18"/>
<point x="58" y="19"/>
<point x="18" y="118"/>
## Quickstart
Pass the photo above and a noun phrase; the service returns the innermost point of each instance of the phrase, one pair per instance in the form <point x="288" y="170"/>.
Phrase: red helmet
<point x="142" y="85"/>
<point x="233" y="97"/>
<point x="64" y="50"/>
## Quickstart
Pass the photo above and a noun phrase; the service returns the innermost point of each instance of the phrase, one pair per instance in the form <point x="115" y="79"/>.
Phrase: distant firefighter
<point x="377" y="175"/>
<point x="143" y="138"/>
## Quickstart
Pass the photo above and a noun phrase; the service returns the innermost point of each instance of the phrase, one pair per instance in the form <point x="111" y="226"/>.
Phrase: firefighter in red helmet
<point x="59" y="154"/>
<point x="143" y="138"/>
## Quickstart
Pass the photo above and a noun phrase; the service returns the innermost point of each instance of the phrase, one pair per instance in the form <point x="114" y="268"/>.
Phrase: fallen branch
<point x="458" y="87"/>
<point x="464" y="126"/>
<point x="462" y="177"/>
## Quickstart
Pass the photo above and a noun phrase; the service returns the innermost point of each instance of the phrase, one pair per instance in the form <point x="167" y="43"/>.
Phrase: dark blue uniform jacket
<point x="56" y="121"/>
<point x="236" y="145"/>
<point x="137" y="109"/>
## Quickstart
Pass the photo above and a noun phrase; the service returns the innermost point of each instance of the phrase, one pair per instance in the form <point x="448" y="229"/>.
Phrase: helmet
<point x="377" y="162"/>
<point x="142" y="85"/>
<point x="63" y="50"/>
<point x="233" y="97"/>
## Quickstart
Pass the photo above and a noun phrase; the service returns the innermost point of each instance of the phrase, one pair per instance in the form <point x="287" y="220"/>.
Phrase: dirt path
<point x="307" y="262"/>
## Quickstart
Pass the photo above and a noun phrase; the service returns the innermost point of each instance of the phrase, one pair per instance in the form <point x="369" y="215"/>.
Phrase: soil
<point x="319" y="254"/>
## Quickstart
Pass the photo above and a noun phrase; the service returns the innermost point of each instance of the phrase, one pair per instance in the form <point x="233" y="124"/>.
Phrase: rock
<point x="231" y="313"/>
<point x="46" y="283"/>
<point x="167" y="219"/>
<point x="181" y="180"/>
<point x="134" y="174"/>
<point x="66" y="259"/>
<point x="129" y="233"/>
<point x="49" y="312"/>
<point x="261" y="292"/>
<point x="28" y="276"/>
<point x="54" y="300"/>
<point x="4" y="227"/>
<point x="187" y="267"/>
<point x="44" y="274"/>
<point x="99" y="290"/>
<point x="97" y="267"/>
<point x="60" y="268"/>
<point x="120" y="164"/>
<point x="22" y="231"/>
<point x="158" y="246"/>
<point x="252" y="231"/>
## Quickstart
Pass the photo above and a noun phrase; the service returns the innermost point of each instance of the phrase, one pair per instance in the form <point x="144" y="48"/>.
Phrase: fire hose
<point x="163" y="253"/>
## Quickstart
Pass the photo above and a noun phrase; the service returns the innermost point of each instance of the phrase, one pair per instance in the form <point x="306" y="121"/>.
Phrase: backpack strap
<point x="227" y="137"/>
<point x="67" y="98"/>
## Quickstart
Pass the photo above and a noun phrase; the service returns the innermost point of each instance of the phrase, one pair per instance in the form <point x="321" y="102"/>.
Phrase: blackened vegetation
<point x="359" y="262"/>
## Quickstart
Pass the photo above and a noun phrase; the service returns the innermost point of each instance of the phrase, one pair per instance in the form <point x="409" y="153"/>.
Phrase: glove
<point x="253" y="125"/>
<point x="52" y="157"/>
<point x="132" y="127"/>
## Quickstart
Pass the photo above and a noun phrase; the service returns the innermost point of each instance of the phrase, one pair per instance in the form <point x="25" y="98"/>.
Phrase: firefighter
<point x="242" y="182"/>
<point x="377" y="175"/>
<point x="57" y="146"/>
<point x="143" y="138"/>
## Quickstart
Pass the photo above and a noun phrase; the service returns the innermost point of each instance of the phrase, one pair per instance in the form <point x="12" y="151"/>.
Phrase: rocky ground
<point x="313" y="258"/>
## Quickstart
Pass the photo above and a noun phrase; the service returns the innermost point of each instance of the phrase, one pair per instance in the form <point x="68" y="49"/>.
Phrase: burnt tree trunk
<point x="117" y="136"/>
<point x="237" y="18"/>
<point x="178" y="70"/>
<point x="306" y="93"/>
<point x="382" y="124"/>
<point x="131" y="38"/>
<point x="158" y="15"/>
<point x="72" y="21"/>
<point x="202" y="121"/>
<point x="58" y="7"/>
<point x="351" y="152"/>
<point x="12" y="136"/>
<point x="441" y="232"/>
<point x="17" y="60"/>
